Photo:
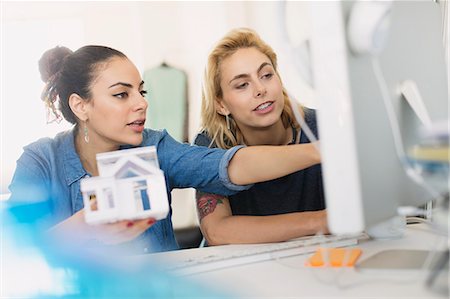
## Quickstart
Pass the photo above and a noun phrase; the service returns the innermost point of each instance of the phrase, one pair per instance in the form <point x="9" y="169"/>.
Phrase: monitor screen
<point x="380" y="76"/>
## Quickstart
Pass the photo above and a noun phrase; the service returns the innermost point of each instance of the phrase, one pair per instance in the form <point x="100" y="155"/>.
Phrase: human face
<point x="251" y="90"/>
<point x="117" y="110"/>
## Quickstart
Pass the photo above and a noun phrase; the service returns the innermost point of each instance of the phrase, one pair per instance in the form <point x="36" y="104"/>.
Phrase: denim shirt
<point x="50" y="170"/>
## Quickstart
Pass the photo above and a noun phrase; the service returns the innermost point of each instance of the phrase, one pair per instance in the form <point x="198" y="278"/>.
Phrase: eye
<point x="268" y="75"/>
<point x="242" y="86"/>
<point x="143" y="92"/>
<point x="121" y="95"/>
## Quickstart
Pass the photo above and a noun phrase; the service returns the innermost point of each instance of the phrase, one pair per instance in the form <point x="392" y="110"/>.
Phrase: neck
<point x="88" y="151"/>
<point x="276" y="134"/>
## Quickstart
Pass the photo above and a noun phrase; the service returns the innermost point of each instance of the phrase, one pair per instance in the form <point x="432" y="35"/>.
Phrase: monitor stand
<point x="392" y="228"/>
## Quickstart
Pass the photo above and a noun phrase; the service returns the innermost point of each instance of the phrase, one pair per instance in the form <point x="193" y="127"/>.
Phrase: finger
<point x="111" y="233"/>
<point x="144" y="224"/>
<point x="124" y="231"/>
<point x="119" y="235"/>
<point x="138" y="227"/>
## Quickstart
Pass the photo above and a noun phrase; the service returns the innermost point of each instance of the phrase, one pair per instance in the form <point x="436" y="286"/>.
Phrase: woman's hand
<point x="76" y="228"/>
<point x="122" y="231"/>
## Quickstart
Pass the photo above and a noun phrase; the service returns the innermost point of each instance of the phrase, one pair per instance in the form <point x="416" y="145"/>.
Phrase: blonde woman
<point x="244" y="103"/>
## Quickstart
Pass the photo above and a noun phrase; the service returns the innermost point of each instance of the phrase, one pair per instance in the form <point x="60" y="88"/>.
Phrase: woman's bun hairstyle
<point x="51" y="62"/>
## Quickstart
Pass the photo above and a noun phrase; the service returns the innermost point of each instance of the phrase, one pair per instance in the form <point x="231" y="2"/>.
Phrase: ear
<point x="221" y="107"/>
<point x="78" y="106"/>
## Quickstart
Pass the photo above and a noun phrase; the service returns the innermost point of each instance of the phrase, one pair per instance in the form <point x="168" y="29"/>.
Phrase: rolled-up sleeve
<point x="223" y="170"/>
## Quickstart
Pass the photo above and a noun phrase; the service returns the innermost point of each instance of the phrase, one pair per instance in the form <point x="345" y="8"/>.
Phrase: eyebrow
<point x="126" y="84"/>
<point x="246" y="75"/>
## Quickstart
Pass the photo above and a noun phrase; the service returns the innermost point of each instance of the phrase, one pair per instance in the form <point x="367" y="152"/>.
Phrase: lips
<point x="137" y="125"/>
<point x="263" y="106"/>
<point x="139" y="122"/>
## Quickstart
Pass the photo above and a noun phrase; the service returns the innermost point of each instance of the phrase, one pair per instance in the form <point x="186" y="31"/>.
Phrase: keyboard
<point x="197" y="260"/>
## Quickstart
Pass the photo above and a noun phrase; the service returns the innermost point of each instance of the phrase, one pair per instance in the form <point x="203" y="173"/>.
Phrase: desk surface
<point x="288" y="277"/>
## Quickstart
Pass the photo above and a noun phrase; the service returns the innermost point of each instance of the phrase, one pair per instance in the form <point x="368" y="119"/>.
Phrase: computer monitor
<point x="356" y="48"/>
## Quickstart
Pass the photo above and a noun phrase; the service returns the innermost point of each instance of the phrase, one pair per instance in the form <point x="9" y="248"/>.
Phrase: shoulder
<point x="39" y="145"/>
<point x="203" y="139"/>
<point x="310" y="118"/>
<point x="161" y="139"/>
<point x="310" y="114"/>
<point x="311" y="121"/>
<point x="48" y="146"/>
<point x="153" y="137"/>
<point x="45" y="154"/>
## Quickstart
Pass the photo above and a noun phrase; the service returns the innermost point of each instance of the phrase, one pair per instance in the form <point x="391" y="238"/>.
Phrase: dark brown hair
<point x="66" y="72"/>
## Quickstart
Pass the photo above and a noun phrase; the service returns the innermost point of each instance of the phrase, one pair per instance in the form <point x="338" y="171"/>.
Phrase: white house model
<point x="130" y="186"/>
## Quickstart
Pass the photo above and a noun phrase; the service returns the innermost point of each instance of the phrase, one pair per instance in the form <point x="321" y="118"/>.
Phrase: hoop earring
<point x="227" y="119"/>
<point x="86" y="135"/>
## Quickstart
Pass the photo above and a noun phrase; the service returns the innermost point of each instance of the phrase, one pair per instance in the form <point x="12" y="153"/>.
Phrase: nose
<point x="141" y="103"/>
<point x="260" y="90"/>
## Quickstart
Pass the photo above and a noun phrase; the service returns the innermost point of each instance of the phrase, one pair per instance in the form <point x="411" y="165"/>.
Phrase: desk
<point x="288" y="277"/>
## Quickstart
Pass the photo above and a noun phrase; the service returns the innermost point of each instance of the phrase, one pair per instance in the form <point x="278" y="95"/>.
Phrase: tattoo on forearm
<point x="207" y="204"/>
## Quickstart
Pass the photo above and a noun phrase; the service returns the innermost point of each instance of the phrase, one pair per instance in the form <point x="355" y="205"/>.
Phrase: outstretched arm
<point x="262" y="163"/>
<point x="220" y="227"/>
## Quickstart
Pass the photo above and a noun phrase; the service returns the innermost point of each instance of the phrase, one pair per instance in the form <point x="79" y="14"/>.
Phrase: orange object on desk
<point x="334" y="257"/>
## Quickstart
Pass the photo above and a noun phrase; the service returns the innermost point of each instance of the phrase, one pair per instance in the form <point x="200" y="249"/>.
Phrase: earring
<point x="86" y="135"/>
<point x="227" y="119"/>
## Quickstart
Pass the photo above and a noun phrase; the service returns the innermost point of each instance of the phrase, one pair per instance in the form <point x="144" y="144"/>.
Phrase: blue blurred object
<point x="37" y="266"/>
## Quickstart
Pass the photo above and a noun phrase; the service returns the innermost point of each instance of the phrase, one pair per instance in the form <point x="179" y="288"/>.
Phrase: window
<point x="141" y="196"/>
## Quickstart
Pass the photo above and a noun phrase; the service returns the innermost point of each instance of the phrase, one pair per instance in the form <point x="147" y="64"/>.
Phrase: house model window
<point x="130" y="186"/>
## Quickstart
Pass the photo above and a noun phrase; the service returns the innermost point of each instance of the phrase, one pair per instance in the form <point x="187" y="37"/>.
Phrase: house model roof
<point x="138" y="158"/>
<point x="131" y="166"/>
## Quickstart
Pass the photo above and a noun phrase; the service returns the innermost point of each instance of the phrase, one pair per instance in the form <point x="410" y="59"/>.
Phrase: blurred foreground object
<point x="36" y="266"/>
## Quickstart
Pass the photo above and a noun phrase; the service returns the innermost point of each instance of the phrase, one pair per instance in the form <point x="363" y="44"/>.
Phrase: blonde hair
<point x="214" y="123"/>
